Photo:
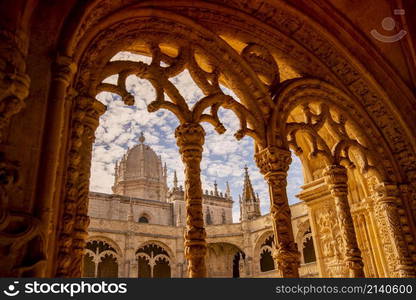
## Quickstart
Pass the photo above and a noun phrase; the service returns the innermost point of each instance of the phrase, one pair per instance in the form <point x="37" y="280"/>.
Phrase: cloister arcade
<point x="297" y="88"/>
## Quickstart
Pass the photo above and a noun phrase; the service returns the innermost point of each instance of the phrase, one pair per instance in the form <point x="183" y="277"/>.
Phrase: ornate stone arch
<point x="153" y="258"/>
<point x="345" y="72"/>
<point x="302" y="228"/>
<point x="162" y="245"/>
<point x="300" y="92"/>
<point x="107" y="240"/>
<point x="260" y="240"/>
<point x="258" y="249"/>
<point x="336" y="117"/>
<point x="222" y="258"/>
<point x="101" y="259"/>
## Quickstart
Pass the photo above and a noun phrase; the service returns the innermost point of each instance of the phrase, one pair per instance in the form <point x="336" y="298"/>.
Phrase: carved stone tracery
<point x="287" y="23"/>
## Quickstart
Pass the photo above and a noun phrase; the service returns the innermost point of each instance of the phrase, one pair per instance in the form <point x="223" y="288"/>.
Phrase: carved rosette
<point x="389" y="219"/>
<point x="336" y="178"/>
<point x="93" y="110"/>
<point x="190" y="138"/>
<point x="274" y="164"/>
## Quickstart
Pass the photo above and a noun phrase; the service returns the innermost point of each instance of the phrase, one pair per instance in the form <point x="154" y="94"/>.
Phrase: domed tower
<point x="140" y="174"/>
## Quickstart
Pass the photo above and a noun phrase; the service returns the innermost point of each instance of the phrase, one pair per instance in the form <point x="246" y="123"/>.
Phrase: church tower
<point x="249" y="202"/>
<point x="140" y="174"/>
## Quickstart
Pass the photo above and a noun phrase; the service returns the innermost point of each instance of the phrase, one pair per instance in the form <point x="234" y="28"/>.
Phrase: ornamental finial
<point x="141" y="138"/>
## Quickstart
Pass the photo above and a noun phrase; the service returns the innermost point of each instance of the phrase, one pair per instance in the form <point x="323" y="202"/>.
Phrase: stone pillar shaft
<point x="386" y="208"/>
<point x="52" y="145"/>
<point x="274" y="164"/>
<point x="337" y="180"/>
<point x="93" y="111"/>
<point x="190" y="138"/>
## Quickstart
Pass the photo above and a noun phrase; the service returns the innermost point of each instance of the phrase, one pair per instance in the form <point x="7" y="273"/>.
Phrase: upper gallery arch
<point x="286" y="32"/>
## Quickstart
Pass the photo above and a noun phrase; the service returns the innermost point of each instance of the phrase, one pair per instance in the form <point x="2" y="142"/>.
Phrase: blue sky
<point x="223" y="158"/>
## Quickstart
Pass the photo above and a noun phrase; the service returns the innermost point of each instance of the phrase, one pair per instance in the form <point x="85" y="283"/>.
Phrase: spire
<point x="165" y="170"/>
<point x="249" y="203"/>
<point x="228" y="191"/>
<point x="141" y="138"/>
<point x="215" y="188"/>
<point x="175" y="181"/>
<point x="248" y="192"/>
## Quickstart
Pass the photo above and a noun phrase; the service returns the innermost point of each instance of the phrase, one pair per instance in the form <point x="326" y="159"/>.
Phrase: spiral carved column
<point x="93" y="111"/>
<point x="274" y="164"/>
<point x="389" y="219"/>
<point x="190" y="138"/>
<point x="336" y="178"/>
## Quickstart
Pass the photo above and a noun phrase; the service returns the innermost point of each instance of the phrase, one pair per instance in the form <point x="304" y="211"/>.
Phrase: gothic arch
<point x="258" y="249"/>
<point x="161" y="245"/>
<point x="342" y="66"/>
<point x="289" y="35"/>
<point x="94" y="54"/>
<point x="260" y="240"/>
<point x="297" y="92"/>
<point x="369" y="156"/>
<point x="100" y="259"/>
<point x="155" y="261"/>
<point x="221" y="259"/>
<point x="107" y="240"/>
<point x="302" y="228"/>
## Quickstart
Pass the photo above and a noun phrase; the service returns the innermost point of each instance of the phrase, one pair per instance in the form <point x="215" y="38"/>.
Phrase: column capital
<point x="273" y="159"/>
<point x="337" y="179"/>
<point x="64" y="69"/>
<point x="190" y="136"/>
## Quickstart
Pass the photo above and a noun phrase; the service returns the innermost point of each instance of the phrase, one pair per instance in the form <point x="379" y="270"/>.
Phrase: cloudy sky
<point x="223" y="158"/>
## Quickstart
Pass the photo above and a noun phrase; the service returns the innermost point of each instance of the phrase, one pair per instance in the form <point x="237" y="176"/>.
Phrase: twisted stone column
<point x="190" y="138"/>
<point x="274" y="164"/>
<point x="389" y="219"/>
<point x="93" y="110"/>
<point x="336" y="178"/>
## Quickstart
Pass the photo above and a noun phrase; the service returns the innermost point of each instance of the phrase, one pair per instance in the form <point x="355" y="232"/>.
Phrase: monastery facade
<point x="138" y="231"/>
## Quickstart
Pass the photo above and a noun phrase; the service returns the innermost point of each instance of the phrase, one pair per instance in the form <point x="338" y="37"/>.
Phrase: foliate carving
<point x="22" y="244"/>
<point x="75" y="221"/>
<point x="158" y="75"/>
<point x="336" y="178"/>
<point x="389" y="222"/>
<point x="330" y="241"/>
<point x="366" y="247"/>
<point x="274" y="163"/>
<point x="69" y="210"/>
<point x="263" y="63"/>
<point x="93" y="111"/>
<point x="22" y="248"/>
<point x="190" y="138"/>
